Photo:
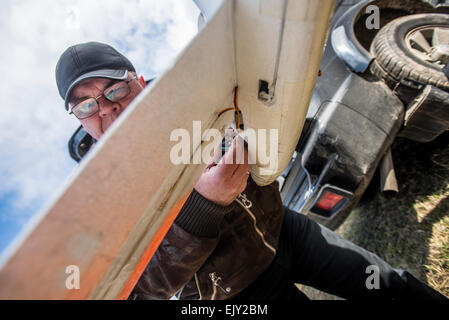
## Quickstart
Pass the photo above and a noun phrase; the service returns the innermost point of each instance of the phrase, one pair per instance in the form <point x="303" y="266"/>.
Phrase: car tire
<point x="400" y="51"/>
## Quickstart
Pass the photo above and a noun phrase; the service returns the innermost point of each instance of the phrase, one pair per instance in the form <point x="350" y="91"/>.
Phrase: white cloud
<point x="34" y="127"/>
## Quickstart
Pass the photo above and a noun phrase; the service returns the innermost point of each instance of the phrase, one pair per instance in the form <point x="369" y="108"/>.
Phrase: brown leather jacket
<point x="214" y="252"/>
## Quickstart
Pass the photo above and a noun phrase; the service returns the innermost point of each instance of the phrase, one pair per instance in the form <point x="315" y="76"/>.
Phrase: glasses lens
<point x="117" y="92"/>
<point x="85" y="109"/>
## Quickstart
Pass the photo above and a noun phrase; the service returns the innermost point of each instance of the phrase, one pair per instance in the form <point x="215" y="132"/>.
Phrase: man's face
<point x="98" y="123"/>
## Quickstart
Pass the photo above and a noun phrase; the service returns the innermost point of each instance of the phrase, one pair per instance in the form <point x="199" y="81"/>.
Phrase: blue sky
<point x="35" y="129"/>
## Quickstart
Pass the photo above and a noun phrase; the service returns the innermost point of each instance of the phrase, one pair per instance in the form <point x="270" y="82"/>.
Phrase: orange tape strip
<point x="152" y="247"/>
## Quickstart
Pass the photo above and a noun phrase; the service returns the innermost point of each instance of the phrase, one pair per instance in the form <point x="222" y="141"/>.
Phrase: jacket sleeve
<point x="188" y="243"/>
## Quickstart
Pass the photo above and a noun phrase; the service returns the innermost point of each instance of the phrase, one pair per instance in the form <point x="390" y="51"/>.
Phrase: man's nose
<point x="107" y="107"/>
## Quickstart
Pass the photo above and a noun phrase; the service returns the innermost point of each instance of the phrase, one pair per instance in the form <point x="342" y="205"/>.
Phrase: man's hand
<point x="222" y="182"/>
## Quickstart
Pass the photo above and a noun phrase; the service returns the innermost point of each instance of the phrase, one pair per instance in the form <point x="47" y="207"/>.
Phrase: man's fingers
<point x="215" y="157"/>
<point x="217" y="154"/>
<point x="242" y="152"/>
<point x="223" y="182"/>
<point x="227" y="163"/>
<point x="243" y="165"/>
<point x="244" y="184"/>
<point x="243" y="171"/>
<point x="236" y="153"/>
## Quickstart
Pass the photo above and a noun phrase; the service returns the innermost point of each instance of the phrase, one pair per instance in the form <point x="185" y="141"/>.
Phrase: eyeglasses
<point x="114" y="93"/>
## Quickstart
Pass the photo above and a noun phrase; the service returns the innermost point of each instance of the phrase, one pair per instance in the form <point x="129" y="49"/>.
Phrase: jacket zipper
<point x="215" y="280"/>
<point x="243" y="201"/>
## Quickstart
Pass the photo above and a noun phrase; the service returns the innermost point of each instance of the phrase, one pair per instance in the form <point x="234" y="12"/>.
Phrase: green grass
<point x="410" y="229"/>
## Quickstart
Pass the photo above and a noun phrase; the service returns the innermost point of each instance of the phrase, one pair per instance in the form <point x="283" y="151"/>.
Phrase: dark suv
<point x="376" y="82"/>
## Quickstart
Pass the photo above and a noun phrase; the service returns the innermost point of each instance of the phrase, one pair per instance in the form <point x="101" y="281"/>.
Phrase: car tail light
<point x="328" y="201"/>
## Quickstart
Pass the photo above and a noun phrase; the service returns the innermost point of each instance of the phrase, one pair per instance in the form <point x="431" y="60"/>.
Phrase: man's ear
<point x="142" y="81"/>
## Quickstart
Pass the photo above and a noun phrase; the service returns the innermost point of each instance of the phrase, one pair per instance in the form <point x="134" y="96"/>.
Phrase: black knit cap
<point x="89" y="60"/>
